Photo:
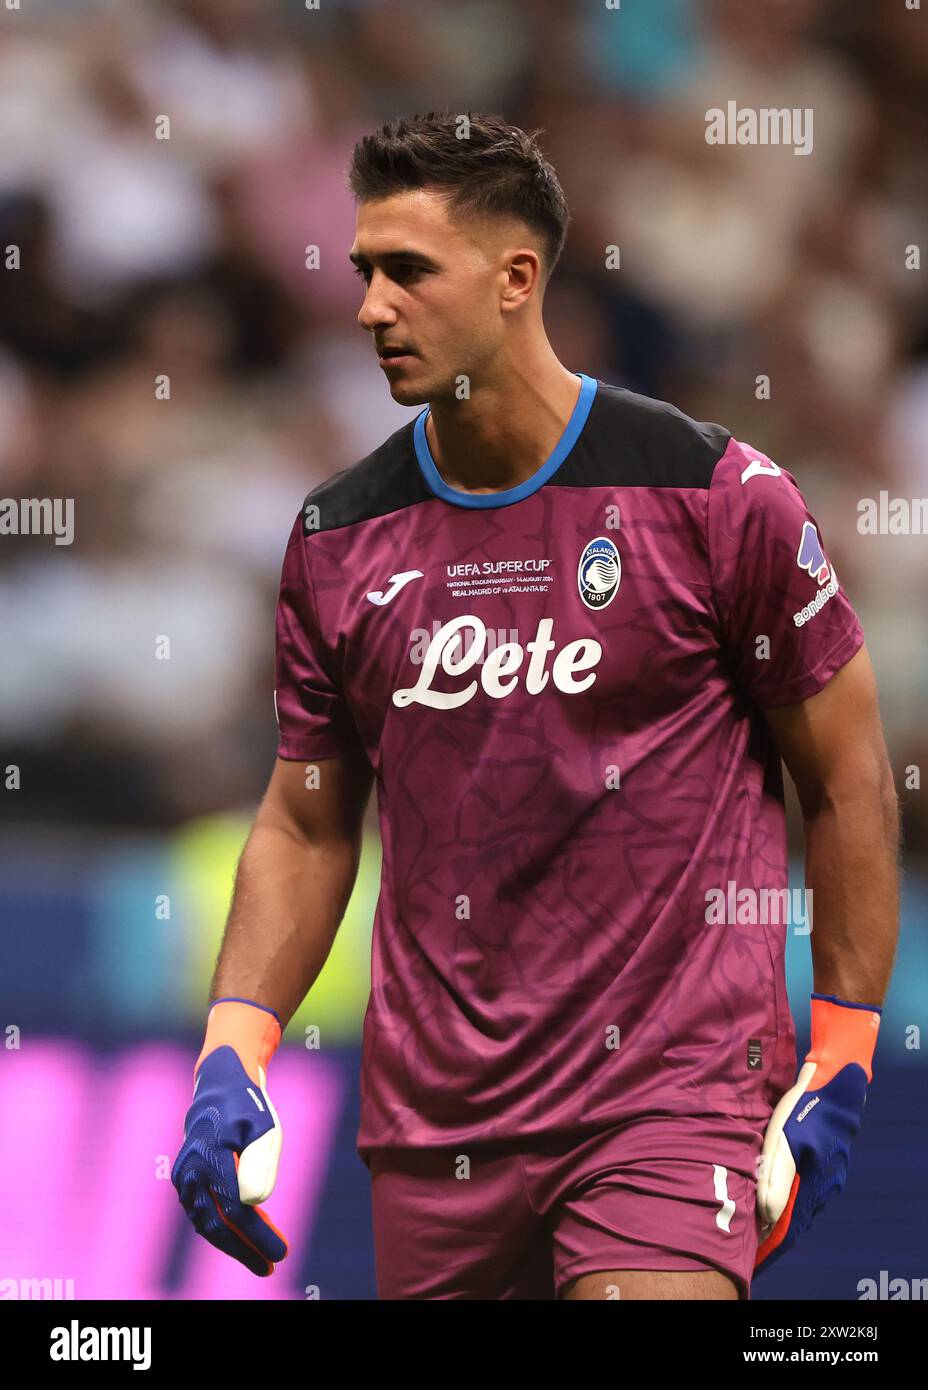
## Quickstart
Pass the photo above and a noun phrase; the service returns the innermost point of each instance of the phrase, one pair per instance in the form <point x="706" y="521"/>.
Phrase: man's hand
<point x="232" y="1137"/>
<point x="807" y="1144"/>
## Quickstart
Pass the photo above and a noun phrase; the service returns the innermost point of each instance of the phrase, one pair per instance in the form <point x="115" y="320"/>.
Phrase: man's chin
<point x="408" y="393"/>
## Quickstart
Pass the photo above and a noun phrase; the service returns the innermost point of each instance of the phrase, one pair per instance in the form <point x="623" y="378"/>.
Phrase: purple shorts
<point x="521" y="1219"/>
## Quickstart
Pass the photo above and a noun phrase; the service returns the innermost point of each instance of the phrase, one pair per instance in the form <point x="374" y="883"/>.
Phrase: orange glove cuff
<point x="252" y="1030"/>
<point x="841" y="1033"/>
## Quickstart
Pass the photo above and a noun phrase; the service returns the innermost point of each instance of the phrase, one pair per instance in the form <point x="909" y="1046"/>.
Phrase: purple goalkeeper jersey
<point x="560" y="689"/>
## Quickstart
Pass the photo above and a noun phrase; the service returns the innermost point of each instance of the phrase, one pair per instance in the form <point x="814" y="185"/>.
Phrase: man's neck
<point x="504" y="433"/>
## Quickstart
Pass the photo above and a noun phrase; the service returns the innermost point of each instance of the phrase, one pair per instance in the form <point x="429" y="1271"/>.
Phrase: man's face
<point x="434" y="288"/>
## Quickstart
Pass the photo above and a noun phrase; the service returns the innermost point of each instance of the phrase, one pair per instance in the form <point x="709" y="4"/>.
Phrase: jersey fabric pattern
<point x="559" y="689"/>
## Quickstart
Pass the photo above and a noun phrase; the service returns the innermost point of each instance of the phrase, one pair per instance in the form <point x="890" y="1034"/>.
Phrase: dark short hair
<point x="496" y="169"/>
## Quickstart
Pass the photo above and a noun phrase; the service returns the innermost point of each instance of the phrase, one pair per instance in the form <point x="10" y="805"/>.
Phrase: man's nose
<point x="376" y="311"/>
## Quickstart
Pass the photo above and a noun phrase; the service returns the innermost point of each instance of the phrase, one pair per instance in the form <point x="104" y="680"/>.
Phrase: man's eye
<point x="402" y="272"/>
<point x="398" y="272"/>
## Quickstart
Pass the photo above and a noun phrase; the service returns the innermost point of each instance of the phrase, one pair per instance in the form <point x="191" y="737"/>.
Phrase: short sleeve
<point x="787" y="624"/>
<point x="313" y="718"/>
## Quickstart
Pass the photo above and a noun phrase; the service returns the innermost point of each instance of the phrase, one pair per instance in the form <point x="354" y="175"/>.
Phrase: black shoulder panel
<point x="387" y="480"/>
<point x="634" y="441"/>
<point x="628" y="441"/>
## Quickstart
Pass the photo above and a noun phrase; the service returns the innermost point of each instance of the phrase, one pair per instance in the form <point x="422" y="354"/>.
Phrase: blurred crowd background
<point x="186" y="256"/>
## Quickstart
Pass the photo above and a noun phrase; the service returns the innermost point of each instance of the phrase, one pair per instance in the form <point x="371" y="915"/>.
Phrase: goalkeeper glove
<point x="806" y="1146"/>
<point x="232" y="1136"/>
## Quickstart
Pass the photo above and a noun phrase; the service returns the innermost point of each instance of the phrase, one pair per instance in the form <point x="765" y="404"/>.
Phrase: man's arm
<point x="833" y="747"/>
<point x="832" y="744"/>
<point x="293" y="883"/>
<point x="294" y="880"/>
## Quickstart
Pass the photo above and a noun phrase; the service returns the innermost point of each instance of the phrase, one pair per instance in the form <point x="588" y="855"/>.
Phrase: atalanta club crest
<point x="599" y="572"/>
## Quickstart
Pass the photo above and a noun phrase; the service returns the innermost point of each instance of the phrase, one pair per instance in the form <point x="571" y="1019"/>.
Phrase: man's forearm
<point x="852" y="868"/>
<point x="289" y="899"/>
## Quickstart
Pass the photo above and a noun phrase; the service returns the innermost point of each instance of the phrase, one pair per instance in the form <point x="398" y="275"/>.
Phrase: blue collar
<point x="505" y="496"/>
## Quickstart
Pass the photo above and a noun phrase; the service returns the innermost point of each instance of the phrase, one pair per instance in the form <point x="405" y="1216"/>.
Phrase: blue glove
<point x="232" y="1136"/>
<point x="807" y="1143"/>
